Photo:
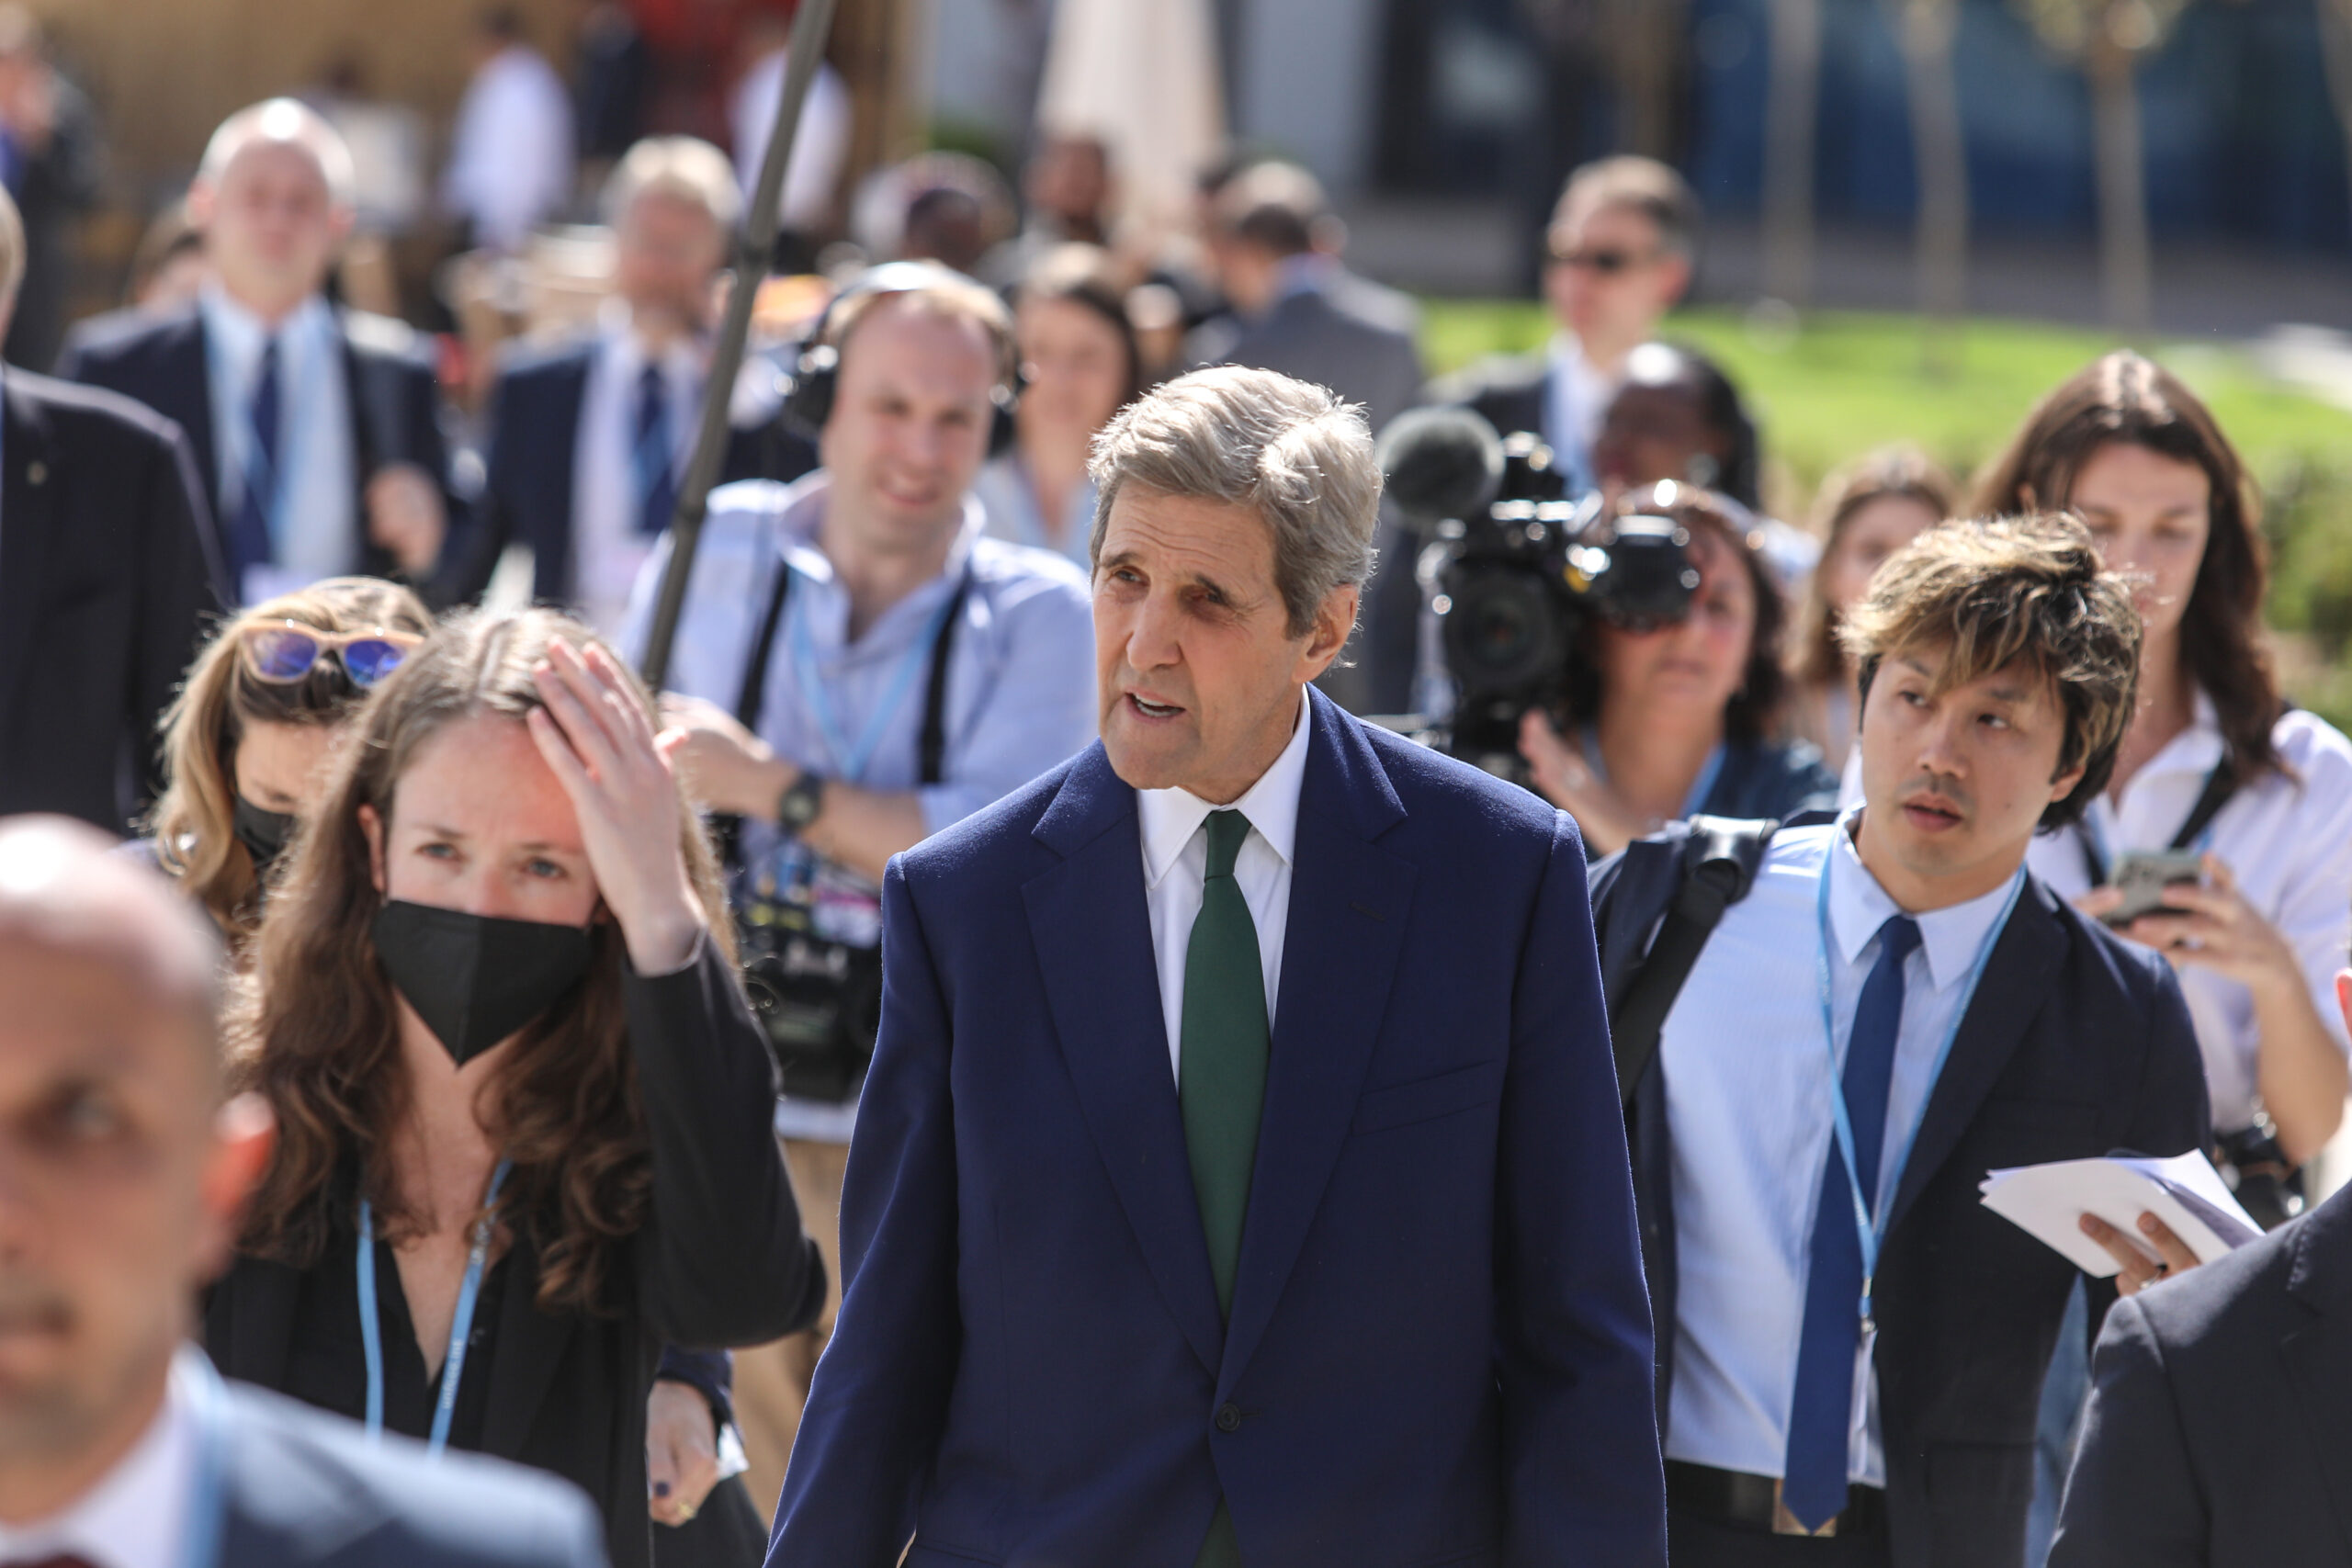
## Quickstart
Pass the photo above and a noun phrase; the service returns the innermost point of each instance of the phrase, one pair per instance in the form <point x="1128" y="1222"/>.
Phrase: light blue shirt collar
<point x="1949" y="938"/>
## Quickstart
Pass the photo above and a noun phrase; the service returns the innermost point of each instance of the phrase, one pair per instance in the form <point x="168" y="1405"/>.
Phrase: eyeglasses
<point x="288" y="652"/>
<point x="1608" y="263"/>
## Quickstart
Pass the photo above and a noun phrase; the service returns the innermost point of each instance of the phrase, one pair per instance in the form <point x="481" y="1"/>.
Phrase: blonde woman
<point x="245" y="739"/>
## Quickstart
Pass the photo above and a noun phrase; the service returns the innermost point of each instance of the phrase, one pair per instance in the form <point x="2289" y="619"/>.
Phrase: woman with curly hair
<point x="522" y="1106"/>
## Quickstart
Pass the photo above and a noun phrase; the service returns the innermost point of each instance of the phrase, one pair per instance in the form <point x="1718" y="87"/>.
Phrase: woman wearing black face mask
<point x="522" y="1109"/>
<point x="246" y="740"/>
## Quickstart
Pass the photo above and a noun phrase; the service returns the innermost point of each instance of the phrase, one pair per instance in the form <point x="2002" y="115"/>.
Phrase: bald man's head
<point x="64" y="889"/>
<point x="121" y="1172"/>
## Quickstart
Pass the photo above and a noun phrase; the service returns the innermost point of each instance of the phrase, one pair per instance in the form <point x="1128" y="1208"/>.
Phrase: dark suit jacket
<point x="532" y="442"/>
<point x="159" y="360"/>
<point x="1439" y="1347"/>
<point x="720" y="1259"/>
<point x="2220" y="1431"/>
<point x="106" y="573"/>
<point x="1510" y="392"/>
<point x="304" y="1490"/>
<point x="2076" y="1044"/>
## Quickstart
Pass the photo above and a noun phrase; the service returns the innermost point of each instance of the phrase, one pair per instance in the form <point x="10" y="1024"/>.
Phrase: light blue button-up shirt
<point x="1748" y="1082"/>
<point x="314" y="532"/>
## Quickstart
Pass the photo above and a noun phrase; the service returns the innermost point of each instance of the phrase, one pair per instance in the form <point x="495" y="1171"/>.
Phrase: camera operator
<point x="1669" y="720"/>
<point x="856" y="668"/>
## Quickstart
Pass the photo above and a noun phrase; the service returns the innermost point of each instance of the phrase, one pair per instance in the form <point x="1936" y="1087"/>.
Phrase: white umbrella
<point x="1140" y="76"/>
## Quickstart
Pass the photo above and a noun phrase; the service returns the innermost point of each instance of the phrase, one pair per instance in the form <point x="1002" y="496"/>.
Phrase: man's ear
<point x="2063" y="785"/>
<point x="244" y="1133"/>
<point x="373" y="826"/>
<point x="1335" y="618"/>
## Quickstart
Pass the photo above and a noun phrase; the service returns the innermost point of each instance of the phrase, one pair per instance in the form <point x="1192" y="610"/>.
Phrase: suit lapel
<point x="189" y="367"/>
<point x="27" y="489"/>
<point x="529" y="1348"/>
<point x="1348" y="899"/>
<point x="2318" y="1355"/>
<point x="567" y="406"/>
<point x="2026" y="959"/>
<point x="1093" y="931"/>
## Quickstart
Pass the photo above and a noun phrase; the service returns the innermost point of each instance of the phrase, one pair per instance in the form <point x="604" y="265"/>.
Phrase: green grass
<point x="1843" y="383"/>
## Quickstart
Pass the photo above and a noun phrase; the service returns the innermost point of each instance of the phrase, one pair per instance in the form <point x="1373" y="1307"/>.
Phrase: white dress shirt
<point x="607" y="551"/>
<point x="1747" y="1081"/>
<point x="510" y="152"/>
<point x="137" y="1514"/>
<point x="2289" y="842"/>
<point x="1176" y="862"/>
<point x="1575" y="397"/>
<point x="315" y="532"/>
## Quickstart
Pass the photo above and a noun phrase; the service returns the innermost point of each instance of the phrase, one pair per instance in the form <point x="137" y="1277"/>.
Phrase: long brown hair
<point x="1901" y="470"/>
<point x="220" y="700"/>
<point x="2124" y="397"/>
<point x="318" y="1035"/>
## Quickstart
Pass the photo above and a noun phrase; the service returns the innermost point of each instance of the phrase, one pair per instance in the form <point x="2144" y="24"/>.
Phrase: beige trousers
<point x="771" y="1379"/>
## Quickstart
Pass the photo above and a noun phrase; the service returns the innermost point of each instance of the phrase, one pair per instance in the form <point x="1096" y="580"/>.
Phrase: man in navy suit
<point x="1851" y="1345"/>
<point x="1239" y="1179"/>
<point x="317" y="431"/>
<point x="589" y="440"/>
<point x="121" y="1174"/>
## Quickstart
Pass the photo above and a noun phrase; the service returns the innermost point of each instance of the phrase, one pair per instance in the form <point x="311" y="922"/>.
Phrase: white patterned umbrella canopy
<point x="1140" y="75"/>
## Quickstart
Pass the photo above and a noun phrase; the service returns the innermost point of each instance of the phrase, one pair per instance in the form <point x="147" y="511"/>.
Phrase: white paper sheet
<point x="2186" y="1193"/>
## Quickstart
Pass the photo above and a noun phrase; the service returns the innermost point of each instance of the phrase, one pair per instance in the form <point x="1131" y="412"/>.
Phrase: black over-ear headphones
<point x="816" y="371"/>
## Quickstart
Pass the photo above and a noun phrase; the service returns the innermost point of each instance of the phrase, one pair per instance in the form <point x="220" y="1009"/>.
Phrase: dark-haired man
<point x="122" y="1169"/>
<point x="1850" y="1346"/>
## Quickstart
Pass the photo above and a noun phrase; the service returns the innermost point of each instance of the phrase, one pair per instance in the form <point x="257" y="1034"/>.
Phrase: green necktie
<point x="1221" y="1059"/>
<point x="1221" y="1083"/>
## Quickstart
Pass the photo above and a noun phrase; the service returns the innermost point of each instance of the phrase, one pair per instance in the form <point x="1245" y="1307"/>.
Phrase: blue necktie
<point x="1814" y="1475"/>
<point x="657" y="487"/>
<point x="250" y="538"/>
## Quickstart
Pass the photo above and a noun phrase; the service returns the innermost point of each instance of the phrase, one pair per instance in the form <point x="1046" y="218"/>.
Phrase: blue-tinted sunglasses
<point x="288" y="652"/>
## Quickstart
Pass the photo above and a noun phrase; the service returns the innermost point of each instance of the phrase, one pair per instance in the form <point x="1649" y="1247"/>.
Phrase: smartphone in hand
<point x="2142" y="876"/>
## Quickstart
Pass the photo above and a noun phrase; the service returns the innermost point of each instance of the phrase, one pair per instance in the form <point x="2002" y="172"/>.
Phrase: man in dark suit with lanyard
<point x="1850" y="1346"/>
<point x="125" y="1167"/>
<point x="317" y="430"/>
<point x="106" y="573"/>
<point x="589" y="440"/>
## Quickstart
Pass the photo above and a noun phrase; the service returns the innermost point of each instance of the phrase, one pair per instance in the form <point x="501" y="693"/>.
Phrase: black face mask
<point x="475" y="980"/>
<point x="264" y="833"/>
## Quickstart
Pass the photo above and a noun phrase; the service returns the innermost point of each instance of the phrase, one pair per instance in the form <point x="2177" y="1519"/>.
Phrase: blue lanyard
<point x="1700" y="787"/>
<point x="1870" y="1232"/>
<point x="453" y="1361"/>
<point x="209" y="1495"/>
<point x="850" y="761"/>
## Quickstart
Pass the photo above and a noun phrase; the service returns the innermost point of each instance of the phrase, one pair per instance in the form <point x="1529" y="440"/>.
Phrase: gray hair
<point x="684" y="167"/>
<point x="1292" y="452"/>
<point x="288" y="122"/>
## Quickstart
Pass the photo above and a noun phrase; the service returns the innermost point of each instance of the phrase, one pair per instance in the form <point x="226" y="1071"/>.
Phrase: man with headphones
<point x="856" y="669"/>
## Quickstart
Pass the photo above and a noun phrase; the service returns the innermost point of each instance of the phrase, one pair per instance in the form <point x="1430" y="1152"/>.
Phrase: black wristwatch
<point x="802" y="799"/>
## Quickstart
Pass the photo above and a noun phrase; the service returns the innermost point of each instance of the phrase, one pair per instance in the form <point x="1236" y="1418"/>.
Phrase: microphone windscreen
<point x="1440" y="463"/>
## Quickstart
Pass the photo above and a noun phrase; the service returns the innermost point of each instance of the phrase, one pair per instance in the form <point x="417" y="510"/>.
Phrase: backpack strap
<point x="1719" y="862"/>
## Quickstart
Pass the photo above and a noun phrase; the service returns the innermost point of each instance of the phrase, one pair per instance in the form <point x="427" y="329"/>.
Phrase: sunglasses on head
<point x="288" y="652"/>
<point x="1608" y="263"/>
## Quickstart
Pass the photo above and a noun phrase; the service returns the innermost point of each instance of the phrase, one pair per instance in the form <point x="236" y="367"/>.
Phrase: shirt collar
<point x="1951" y="937"/>
<point x="1309" y="272"/>
<point x="239" y="332"/>
<point x="137" y="1512"/>
<point x="1171" y="816"/>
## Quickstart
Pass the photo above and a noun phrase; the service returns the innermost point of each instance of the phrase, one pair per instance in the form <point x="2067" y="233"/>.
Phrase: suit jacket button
<point x="1229" y="1417"/>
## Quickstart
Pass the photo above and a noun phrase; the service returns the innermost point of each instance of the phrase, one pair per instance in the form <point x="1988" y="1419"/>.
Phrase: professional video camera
<point x="1513" y="566"/>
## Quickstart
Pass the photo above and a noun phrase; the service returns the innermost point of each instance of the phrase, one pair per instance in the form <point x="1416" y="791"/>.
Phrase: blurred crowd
<point x="232" y="508"/>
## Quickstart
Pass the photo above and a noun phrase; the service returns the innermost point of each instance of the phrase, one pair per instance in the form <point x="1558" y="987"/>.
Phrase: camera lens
<point x="1502" y="629"/>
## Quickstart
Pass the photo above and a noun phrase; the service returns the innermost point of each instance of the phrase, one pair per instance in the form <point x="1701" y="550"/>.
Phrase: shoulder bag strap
<point x="932" y="747"/>
<point x="1721" y="864"/>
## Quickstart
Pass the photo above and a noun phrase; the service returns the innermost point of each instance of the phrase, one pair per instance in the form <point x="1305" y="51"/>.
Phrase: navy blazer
<point x="533" y="443"/>
<point x="159" y="359"/>
<point x="2219" y="1431"/>
<point x="107" y="576"/>
<point x="306" y="1489"/>
<point x="2077" y="1042"/>
<point x="1439" y="1347"/>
